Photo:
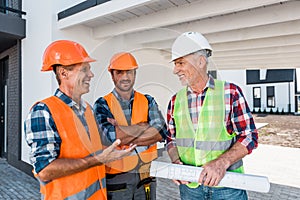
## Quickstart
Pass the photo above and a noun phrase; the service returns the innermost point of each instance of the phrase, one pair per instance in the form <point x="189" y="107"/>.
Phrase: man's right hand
<point x="111" y="153"/>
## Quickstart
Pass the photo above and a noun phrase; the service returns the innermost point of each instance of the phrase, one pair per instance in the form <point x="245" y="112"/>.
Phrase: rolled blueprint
<point x="192" y="174"/>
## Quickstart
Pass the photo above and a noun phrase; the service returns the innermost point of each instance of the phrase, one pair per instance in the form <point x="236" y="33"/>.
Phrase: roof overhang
<point x="98" y="11"/>
<point x="243" y="34"/>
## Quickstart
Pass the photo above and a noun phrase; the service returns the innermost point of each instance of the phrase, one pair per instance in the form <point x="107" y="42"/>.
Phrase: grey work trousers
<point x="124" y="186"/>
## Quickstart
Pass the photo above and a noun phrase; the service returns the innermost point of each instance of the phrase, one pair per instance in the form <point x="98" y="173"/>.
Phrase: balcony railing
<point x="12" y="11"/>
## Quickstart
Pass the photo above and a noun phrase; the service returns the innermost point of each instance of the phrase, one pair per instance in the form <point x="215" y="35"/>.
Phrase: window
<point x="270" y="96"/>
<point x="2" y="6"/>
<point x="298" y="80"/>
<point x="256" y="92"/>
<point x="256" y="97"/>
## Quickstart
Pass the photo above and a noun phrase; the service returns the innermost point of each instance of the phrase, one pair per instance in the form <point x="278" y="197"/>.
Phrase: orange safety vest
<point x="88" y="184"/>
<point x="139" y="114"/>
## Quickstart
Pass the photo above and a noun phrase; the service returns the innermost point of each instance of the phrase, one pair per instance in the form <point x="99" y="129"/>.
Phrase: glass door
<point x="3" y="106"/>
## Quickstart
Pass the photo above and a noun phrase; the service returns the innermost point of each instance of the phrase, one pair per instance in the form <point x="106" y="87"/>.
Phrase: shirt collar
<point x="120" y="98"/>
<point x="209" y="84"/>
<point x="67" y="100"/>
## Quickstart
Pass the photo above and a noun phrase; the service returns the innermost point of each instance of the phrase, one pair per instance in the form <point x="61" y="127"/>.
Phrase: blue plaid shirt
<point x="102" y="112"/>
<point x="41" y="133"/>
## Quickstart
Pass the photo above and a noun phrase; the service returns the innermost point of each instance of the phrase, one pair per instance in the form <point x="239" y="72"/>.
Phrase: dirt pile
<point x="282" y="130"/>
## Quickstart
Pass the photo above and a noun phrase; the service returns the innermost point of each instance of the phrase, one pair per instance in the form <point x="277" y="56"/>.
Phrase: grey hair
<point x="203" y="53"/>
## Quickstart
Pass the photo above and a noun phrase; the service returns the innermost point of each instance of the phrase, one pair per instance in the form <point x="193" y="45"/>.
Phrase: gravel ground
<point x="282" y="130"/>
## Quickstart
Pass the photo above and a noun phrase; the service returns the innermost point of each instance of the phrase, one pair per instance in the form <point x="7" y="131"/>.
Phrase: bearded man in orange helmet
<point x="66" y="148"/>
<point x="134" y="118"/>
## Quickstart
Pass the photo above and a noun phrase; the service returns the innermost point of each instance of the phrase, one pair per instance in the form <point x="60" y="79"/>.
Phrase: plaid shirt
<point x="238" y="118"/>
<point x="41" y="133"/>
<point x="102" y="112"/>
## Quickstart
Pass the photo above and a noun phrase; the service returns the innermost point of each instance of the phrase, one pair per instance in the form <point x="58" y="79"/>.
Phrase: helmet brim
<point x="46" y="68"/>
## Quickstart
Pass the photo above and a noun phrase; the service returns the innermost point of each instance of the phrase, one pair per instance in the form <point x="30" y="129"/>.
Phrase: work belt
<point x="145" y="180"/>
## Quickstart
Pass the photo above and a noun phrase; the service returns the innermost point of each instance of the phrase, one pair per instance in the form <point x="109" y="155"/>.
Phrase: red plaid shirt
<point x="238" y="118"/>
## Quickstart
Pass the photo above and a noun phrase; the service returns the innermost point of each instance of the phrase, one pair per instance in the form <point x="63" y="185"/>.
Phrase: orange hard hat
<point x="64" y="52"/>
<point x="122" y="61"/>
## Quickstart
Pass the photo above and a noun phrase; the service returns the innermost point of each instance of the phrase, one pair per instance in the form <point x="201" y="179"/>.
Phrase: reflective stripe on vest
<point x="88" y="192"/>
<point x="204" y="145"/>
<point x="139" y="114"/>
<point x="210" y="139"/>
<point x="76" y="143"/>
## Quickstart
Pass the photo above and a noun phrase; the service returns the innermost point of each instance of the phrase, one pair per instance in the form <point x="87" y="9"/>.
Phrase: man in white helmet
<point x="209" y="122"/>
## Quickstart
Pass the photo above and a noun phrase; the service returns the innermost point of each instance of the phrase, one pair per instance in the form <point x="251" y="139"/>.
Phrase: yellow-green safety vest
<point x="210" y="139"/>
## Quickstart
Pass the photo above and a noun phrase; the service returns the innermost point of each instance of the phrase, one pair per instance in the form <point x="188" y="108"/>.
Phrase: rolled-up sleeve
<point x="241" y="121"/>
<point x="42" y="137"/>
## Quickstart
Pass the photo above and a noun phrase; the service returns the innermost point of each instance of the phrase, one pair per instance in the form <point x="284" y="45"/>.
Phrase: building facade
<point x="274" y="91"/>
<point x="12" y="31"/>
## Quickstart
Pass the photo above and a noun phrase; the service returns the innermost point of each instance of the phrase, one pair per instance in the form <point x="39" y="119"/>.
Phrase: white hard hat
<point x="189" y="42"/>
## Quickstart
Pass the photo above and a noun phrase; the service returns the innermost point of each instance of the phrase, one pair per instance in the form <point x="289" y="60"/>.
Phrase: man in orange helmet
<point x="66" y="148"/>
<point x="134" y="118"/>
